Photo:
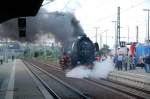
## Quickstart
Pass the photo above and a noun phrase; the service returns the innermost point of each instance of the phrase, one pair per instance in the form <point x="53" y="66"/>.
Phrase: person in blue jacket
<point x="147" y="62"/>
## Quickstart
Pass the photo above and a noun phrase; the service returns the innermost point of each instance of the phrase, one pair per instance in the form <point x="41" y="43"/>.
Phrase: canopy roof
<point x="18" y="8"/>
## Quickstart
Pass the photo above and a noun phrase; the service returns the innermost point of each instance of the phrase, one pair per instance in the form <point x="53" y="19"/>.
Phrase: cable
<point x="123" y="10"/>
<point x="75" y="6"/>
<point x="66" y="4"/>
<point x="47" y="3"/>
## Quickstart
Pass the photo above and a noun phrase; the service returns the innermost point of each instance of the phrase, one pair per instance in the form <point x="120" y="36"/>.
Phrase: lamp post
<point x="105" y="31"/>
<point x="6" y="50"/>
<point x="100" y="41"/>
<point x="127" y="30"/>
<point x="96" y="28"/>
<point x="106" y="37"/>
<point x="116" y="37"/>
<point x="128" y="34"/>
<point x="148" y="22"/>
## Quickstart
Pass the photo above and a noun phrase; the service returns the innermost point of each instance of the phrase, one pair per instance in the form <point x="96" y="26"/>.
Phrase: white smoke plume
<point x="79" y="72"/>
<point x="100" y="70"/>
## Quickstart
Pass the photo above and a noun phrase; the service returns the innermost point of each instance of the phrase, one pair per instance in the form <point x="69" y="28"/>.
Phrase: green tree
<point x="103" y="51"/>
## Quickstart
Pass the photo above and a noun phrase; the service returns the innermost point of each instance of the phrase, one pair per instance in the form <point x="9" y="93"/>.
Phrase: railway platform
<point x="138" y="77"/>
<point x="17" y="82"/>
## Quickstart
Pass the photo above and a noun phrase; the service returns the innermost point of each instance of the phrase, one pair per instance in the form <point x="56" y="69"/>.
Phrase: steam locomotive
<point x="82" y="52"/>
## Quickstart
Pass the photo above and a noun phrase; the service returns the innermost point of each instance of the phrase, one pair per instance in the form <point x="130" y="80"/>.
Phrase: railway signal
<point x="22" y="27"/>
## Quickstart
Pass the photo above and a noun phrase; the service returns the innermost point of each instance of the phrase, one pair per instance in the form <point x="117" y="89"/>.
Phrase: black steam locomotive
<point x="82" y="52"/>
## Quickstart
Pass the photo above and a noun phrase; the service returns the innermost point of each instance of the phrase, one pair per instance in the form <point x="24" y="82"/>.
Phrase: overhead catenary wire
<point x="49" y="1"/>
<point x="123" y="11"/>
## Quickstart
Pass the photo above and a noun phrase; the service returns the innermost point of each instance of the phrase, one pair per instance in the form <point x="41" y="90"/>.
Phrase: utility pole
<point x="128" y="33"/>
<point x="118" y="27"/>
<point x="6" y="50"/>
<point x="100" y="41"/>
<point x="96" y="28"/>
<point x="137" y="34"/>
<point x="115" y="36"/>
<point x="44" y="47"/>
<point x="105" y="31"/>
<point x="148" y="21"/>
<point x="106" y="37"/>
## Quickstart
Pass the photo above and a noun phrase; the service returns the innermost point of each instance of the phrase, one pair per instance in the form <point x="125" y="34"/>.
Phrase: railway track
<point x="130" y="91"/>
<point x="56" y="87"/>
<point x="127" y="89"/>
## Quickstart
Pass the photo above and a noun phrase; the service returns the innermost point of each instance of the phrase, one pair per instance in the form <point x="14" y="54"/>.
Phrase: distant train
<point x="82" y="52"/>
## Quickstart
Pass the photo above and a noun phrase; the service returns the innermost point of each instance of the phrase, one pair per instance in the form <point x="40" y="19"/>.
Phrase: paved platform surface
<point x="138" y="71"/>
<point x="16" y="83"/>
<point x="137" y="77"/>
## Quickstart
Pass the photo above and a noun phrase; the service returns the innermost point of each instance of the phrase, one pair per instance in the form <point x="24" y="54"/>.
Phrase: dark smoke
<point x="64" y="26"/>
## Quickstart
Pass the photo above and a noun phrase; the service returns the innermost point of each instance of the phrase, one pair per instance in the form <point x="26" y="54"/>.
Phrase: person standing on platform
<point x="13" y="58"/>
<point x="141" y="63"/>
<point x="115" y="60"/>
<point x="130" y="63"/>
<point x="1" y="59"/>
<point x="134" y="62"/>
<point x="120" y="59"/>
<point x="147" y="62"/>
<point x="125" y="61"/>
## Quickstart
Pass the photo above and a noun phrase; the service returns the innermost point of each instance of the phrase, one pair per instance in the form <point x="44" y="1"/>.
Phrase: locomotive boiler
<point x="82" y="52"/>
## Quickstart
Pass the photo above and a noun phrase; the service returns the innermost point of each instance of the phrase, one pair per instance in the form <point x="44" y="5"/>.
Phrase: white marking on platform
<point x="10" y="88"/>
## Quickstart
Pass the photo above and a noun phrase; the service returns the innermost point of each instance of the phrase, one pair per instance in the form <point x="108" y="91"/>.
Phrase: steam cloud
<point x="64" y="26"/>
<point x="100" y="70"/>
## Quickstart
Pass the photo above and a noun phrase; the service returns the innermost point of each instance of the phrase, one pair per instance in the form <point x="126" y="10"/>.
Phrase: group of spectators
<point x="130" y="62"/>
<point x="125" y="62"/>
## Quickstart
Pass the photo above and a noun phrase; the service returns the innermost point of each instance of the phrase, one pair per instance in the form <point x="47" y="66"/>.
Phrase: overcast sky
<point x="101" y="13"/>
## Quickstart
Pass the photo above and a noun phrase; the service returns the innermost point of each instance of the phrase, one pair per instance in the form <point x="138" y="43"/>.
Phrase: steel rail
<point x="131" y="91"/>
<point x="82" y="95"/>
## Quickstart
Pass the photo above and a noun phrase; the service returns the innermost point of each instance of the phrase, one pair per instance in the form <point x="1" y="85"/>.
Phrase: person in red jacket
<point x="65" y="61"/>
<point x="98" y="58"/>
<point x="132" y="49"/>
